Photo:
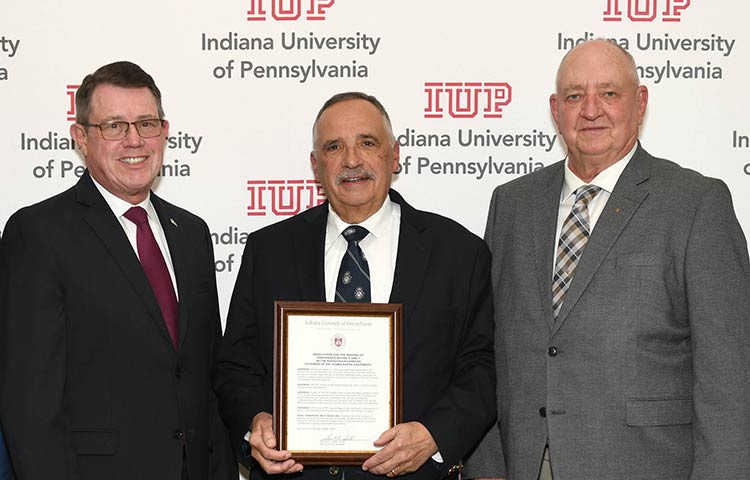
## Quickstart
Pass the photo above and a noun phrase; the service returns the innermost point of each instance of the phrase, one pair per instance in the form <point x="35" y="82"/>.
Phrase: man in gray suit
<point x="622" y="302"/>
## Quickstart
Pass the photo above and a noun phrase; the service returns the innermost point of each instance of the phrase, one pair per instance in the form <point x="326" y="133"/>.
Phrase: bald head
<point x="617" y="53"/>
<point x="598" y="106"/>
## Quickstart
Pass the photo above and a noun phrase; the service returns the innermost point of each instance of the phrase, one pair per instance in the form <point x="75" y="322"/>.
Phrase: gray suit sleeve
<point x="486" y="461"/>
<point x="717" y="282"/>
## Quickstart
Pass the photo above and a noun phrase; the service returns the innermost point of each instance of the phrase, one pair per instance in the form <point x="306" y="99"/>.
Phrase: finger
<point x="262" y="426"/>
<point x="375" y="464"/>
<point x="274" y="461"/>
<point x="270" y="455"/>
<point x="389" y="468"/>
<point x="382" y="462"/>
<point x="269" y="438"/>
<point x="263" y="448"/>
<point x="273" y="468"/>
<point x="386" y="436"/>
<point x="399" y="469"/>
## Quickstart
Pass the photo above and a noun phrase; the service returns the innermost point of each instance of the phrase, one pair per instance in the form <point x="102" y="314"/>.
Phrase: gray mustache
<point x="356" y="173"/>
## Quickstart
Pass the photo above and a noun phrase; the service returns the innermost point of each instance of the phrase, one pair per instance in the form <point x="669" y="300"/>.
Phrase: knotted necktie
<point x="573" y="238"/>
<point x="156" y="269"/>
<point x="353" y="284"/>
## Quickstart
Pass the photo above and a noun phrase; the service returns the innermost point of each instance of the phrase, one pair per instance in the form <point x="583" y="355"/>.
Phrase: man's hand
<point x="263" y="447"/>
<point x="406" y="447"/>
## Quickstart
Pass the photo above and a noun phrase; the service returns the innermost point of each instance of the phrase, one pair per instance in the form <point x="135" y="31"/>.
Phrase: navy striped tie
<point x="353" y="283"/>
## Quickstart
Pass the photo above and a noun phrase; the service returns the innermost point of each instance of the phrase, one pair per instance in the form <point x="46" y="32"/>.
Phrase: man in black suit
<point x="434" y="267"/>
<point x="109" y="328"/>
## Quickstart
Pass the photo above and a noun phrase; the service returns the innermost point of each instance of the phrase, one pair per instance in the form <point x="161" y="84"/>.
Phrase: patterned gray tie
<point x="353" y="284"/>
<point x="573" y="238"/>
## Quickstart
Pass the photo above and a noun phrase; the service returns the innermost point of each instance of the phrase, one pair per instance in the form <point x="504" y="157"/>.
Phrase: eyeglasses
<point x="146" y="128"/>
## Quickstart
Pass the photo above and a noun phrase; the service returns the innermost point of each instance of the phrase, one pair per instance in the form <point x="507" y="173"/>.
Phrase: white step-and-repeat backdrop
<point x="465" y="82"/>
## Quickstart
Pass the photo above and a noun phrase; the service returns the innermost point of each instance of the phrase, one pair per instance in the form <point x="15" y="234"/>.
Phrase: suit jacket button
<point x="178" y="373"/>
<point x="552" y="351"/>
<point x="178" y="434"/>
<point x="334" y="470"/>
<point x="543" y="412"/>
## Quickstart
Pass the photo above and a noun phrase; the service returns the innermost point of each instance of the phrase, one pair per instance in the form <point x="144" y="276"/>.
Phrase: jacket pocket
<point x="638" y="260"/>
<point x="95" y="442"/>
<point x="660" y="412"/>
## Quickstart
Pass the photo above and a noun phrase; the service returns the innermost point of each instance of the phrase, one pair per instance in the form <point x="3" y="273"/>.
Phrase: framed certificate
<point x="337" y="375"/>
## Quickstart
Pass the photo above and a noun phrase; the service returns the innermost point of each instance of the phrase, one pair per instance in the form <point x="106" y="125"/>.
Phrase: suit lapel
<point x="413" y="255"/>
<point x="107" y="227"/>
<point x="626" y="197"/>
<point x="309" y="251"/>
<point x="546" y="206"/>
<point x="179" y="251"/>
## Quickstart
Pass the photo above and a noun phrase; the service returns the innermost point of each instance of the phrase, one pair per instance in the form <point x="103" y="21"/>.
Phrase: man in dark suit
<point x="430" y="264"/>
<point x="110" y="325"/>
<point x="622" y="297"/>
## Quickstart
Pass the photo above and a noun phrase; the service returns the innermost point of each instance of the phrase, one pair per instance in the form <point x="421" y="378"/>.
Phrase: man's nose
<point x="592" y="107"/>
<point x="132" y="137"/>
<point x="351" y="157"/>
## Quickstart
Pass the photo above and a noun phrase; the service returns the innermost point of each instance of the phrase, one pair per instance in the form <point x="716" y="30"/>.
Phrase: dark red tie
<point x="156" y="269"/>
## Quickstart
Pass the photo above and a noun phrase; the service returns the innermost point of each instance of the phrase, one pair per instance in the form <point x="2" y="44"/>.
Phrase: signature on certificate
<point x="339" y="439"/>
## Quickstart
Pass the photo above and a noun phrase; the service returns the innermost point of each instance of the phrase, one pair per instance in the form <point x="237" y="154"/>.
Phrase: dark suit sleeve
<point x="241" y="381"/>
<point x="717" y="282"/>
<point x="459" y="418"/>
<point x="34" y="353"/>
<point x="222" y="465"/>
<point x="487" y="459"/>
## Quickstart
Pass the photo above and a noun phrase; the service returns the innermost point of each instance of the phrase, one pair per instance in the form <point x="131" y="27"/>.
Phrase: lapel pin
<point x="173" y="222"/>
<point x="618" y="209"/>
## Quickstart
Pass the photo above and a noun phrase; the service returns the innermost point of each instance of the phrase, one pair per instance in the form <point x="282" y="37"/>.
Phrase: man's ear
<point x="78" y="133"/>
<point x="314" y="165"/>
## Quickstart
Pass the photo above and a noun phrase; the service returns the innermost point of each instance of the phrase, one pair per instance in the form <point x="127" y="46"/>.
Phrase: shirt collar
<point x="119" y="206"/>
<point x="376" y="224"/>
<point x="606" y="180"/>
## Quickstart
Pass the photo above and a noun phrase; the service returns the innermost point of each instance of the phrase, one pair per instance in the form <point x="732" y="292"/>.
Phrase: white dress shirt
<point x="380" y="247"/>
<point x="119" y="207"/>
